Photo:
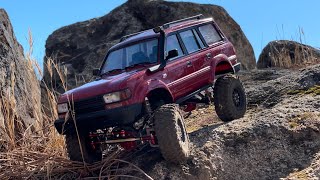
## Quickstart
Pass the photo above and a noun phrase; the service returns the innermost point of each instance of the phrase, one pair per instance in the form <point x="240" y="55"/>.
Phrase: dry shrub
<point x="300" y="56"/>
<point x="39" y="153"/>
<point x="291" y="54"/>
<point x="21" y="163"/>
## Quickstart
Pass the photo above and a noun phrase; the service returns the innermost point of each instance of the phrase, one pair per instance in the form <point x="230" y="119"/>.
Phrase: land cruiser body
<point x="145" y="83"/>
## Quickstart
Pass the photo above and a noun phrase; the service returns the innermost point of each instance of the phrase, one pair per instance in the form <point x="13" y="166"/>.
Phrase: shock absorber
<point x="147" y="108"/>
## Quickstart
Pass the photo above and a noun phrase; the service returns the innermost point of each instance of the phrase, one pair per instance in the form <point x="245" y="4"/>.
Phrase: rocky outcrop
<point x="80" y="47"/>
<point x="311" y="172"/>
<point x="19" y="88"/>
<point x="288" y="54"/>
<point x="264" y="145"/>
<point x="272" y="92"/>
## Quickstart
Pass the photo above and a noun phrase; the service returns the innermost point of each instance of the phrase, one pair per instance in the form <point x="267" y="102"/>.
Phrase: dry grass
<point x="21" y="163"/>
<point x="38" y="151"/>
<point x="315" y="90"/>
<point x="306" y="119"/>
<point x="300" y="56"/>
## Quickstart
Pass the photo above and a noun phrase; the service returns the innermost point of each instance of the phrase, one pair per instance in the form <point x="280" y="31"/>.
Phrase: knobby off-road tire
<point x="74" y="152"/>
<point x="171" y="133"/>
<point x="229" y="98"/>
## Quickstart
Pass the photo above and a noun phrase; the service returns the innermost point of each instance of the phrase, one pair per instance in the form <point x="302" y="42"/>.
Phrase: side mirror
<point x="172" y="53"/>
<point x="96" y="72"/>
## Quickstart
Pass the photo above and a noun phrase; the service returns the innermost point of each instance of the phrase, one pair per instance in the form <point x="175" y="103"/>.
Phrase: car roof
<point x="148" y="34"/>
<point x="186" y="24"/>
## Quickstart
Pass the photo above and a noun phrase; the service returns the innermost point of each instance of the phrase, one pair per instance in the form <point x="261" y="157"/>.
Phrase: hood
<point x="101" y="86"/>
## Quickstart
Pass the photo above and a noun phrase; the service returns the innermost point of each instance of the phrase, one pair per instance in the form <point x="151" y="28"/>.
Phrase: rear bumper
<point x="101" y="119"/>
<point x="236" y="67"/>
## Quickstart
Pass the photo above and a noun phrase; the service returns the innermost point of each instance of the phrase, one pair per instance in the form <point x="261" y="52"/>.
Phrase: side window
<point x="152" y="50"/>
<point x="189" y="41"/>
<point x="173" y="43"/>
<point x="113" y="61"/>
<point x="210" y="34"/>
<point x="131" y="53"/>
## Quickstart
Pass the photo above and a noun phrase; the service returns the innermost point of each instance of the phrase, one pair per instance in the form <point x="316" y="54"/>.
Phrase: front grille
<point x="88" y="105"/>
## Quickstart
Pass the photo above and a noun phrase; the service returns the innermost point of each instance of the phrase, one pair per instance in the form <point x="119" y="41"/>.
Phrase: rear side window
<point x="210" y="34"/>
<point x="189" y="41"/>
<point x="173" y="43"/>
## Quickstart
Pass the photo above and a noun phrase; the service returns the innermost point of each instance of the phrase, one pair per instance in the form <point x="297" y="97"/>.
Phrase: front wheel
<point x="171" y="133"/>
<point x="79" y="148"/>
<point x="229" y="98"/>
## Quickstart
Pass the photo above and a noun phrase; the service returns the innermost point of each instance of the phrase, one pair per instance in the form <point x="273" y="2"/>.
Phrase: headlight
<point x="117" y="96"/>
<point x="62" y="108"/>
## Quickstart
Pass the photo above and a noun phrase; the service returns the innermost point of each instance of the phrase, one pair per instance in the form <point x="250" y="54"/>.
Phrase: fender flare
<point x="151" y="85"/>
<point x="219" y="59"/>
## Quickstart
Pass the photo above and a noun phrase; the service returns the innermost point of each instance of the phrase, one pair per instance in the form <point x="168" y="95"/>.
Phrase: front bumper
<point x="107" y="118"/>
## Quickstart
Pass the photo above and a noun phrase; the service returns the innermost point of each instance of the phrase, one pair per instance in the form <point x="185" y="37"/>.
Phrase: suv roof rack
<point x="197" y="17"/>
<point x="165" y="26"/>
<point x="130" y="35"/>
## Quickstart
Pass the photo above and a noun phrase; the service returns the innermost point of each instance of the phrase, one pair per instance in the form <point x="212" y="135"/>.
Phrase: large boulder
<point x="288" y="54"/>
<point x="80" y="47"/>
<point x="19" y="88"/>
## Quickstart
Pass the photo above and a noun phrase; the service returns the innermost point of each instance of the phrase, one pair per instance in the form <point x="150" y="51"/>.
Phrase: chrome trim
<point x="201" y="71"/>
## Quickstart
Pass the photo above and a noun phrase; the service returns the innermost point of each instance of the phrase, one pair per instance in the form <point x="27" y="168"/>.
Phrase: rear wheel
<point x="229" y="98"/>
<point x="75" y="146"/>
<point x="171" y="133"/>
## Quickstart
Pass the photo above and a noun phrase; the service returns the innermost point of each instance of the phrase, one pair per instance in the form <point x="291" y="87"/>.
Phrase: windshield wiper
<point x="111" y="71"/>
<point x="142" y="63"/>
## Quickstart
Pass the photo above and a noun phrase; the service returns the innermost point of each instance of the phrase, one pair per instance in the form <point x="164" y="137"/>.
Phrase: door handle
<point x="208" y="56"/>
<point x="189" y="64"/>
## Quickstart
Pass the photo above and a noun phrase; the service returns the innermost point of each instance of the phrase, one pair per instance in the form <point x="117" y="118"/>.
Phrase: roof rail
<point x="197" y="17"/>
<point x="130" y="35"/>
<point x="165" y="26"/>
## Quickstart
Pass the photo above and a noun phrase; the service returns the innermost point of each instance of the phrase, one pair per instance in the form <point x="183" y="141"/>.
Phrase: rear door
<point x="213" y="39"/>
<point x="197" y="54"/>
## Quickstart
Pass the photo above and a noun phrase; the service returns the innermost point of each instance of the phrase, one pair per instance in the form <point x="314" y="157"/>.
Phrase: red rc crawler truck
<point x="145" y="81"/>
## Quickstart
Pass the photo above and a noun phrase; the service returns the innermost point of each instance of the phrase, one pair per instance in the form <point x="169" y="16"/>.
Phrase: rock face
<point x="19" y="89"/>
<point x="311" y="172"/>
<point x="288" y="54"/>
<point x="82" y="46"/>
<point x="271" y="92"/>
<point x="266" y="145"/>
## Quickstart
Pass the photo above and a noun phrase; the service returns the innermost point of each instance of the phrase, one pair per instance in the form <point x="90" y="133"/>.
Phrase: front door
<point x="178" y="68"/>
<point x="199" y="55"/>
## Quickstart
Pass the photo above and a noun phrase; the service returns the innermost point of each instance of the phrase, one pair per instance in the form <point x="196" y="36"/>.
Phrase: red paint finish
<point x="179" y="77"/>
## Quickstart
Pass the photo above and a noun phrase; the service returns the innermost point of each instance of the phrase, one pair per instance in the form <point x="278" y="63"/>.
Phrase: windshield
<point x="140" y="53"/>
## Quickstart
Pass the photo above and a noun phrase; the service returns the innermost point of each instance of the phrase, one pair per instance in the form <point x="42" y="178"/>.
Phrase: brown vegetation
<point x="40" y="154"/>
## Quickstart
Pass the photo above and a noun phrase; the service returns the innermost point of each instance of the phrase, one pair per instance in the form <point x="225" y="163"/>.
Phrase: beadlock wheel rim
<point x="236" y="97"/>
